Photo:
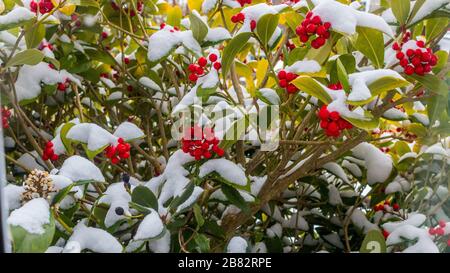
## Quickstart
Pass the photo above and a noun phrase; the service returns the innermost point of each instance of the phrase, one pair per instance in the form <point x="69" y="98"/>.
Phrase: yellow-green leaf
<point x="313" y="88"/>
<point x="400" y="9"/>
<point x="370" y="43"/>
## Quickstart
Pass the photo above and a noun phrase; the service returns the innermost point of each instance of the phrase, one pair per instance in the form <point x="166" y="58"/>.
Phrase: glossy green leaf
<point x="266" y="27"/>
<point x="145" y="197"/>
<point x="198" y="27"/>
<point x="312" y="87"/>
<point x="34" y="34"/>
<point x="232" y="49"/>
<point x="370" y="42"/>
<point x="400" y="9"/>
<point x="235" y="198"/>
<point x="28" y="56"/>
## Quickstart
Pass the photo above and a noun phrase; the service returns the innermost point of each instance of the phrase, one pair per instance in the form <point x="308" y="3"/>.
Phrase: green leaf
<point x="434" y="27"/>
<point x="235" y="198"/>
<point x="63" y="133"/>
<point x="25" y="242"/>
<point x="400" y="9"/>
<point x="386" y="84"/>
<point x="401" y="148"/>
<point x="293" y="19"/>
<point x="28" y="56"/>
<point x="202" y="243"/>
<point x="370" y="43"/>
<point x="369" y="123"/>
<point x="144" y="196"/>
<point x="187" y="192"/>
<point x="342" y="75"/>
<point x="198" y="215"/>
<point x="417" y="5"/>
<point x="373" y="243"/>
<point x="61" y="194"/>
<point x="34" y="34"/>
<point x="198" y="27"/>
<point x="432" y="83"/>
<point x="313" y="88"/>
<point x="266" y="27"/>
<point x="234" y="47"/>
<point x="442" y="56"/>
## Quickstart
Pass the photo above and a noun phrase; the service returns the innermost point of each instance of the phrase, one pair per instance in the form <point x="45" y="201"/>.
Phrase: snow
<point x="208" y="5"/>
<point x="270" y="95"/>
<point x="78" y="168"/>
<point x="395" y="114"/>
<point x="361" y="80"/>
<point x="28" y="84"/>
<point x="259" y="247"/>
<point x="275" y="231"/>
<point x="359" y="219"/>
<point x="60" y="182"/>
<point x="421" y="118"/>
<point x="333" y="239"/>
<point x="32" y="216"/>
<point x="255" y="12"/>
<point x="436" y="149"/>
<point x="17" y="15"/>
<point x="308" y="66"/>
<point x="399" y="184"/>
<point x="378" y="164"/>
<point x="191" y="200"/>
<point x="217" y="34"/>
<point x="414" y="219"/>
<point x="237" y="244"/>
<point x="334" y="197"/>
<point x="352" y="167"/>
<point x="161" y="245"/>
<point x="407" y="155"/>
<point x="93" y="239"/>
<point x="115" y="196"/>
<point x="345" y="19"/>
<point x="337" y="170"/>
<point x="128" y="131"/>
<point x="150" y="227"/>
<point x="162" y="42"/>
<point x="147" y="82"/>
<point x="296" y="221"/>
<point x="13" y="196"/>
<point x="226" y="169"/>
<point x="91" y="134"/>
<point x="427" y="8"/>
<point x="423" y="242"/>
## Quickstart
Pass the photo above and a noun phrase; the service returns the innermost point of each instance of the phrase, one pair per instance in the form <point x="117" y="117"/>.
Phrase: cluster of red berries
<point x="285" y="79"/>
<point x="201" y="143"/>
<point x="175" y="28"/>
<point x="386" y="206"/>
<point x="313" y="26"/>
<point x="336" y="86"/>
<point x="6" y="113"/>
<point x="118" y="152"/>
<point x="198" y="70"/>
<point x="332" y="122"/>
<point x="238" y="18"/>
<point x="440" y="231"/>
<point x="44" y="6"/>
<point x="419" y="60"/>
<point x="243" y="2"/>
<point x="49" y="153"/>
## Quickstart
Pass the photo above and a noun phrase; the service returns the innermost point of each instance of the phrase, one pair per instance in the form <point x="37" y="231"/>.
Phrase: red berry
<point x="334" y="116"/>
<point x="403" y="62"/>
<point x="327" y="25"/>
<point x="309" y="14"/>
<point x="395" y="46"/>
<point x="316" y="20"/>
<point x="213" y="57"/>
<point x="304" y="38"/>
<point x="121" y="140"/>
<point x="431" y="231"/>
<point x="420" y="43"/>
<point x="193" y="77"/>
<point x="202" y="61"/>
<point x="220" y="152"/>
<point x="125" y="155"/>
<point x="385" y="234"/>
<point x="282" y="75"/>
<point x="290" y="76"/>
<point x="104" y="35"/>
<point x="291" y="88"/>
<point x="400" y="55"/>
<point x="253" y="25"/>
<point x="241" y="17"/>
<point x="200" y="71"/>
<point x="323" y="124"/>
<point x="416" y="61"/>
<point x="217" y="66"/>
<point x="410" y="52"/>
<point x="314" y="44"/>
<point x="409" y="70"/>
<point x="311" y="28"/>
<point x="234" y="19"/>
<point x="115" y="160"/>
<point x="193" y="68"/>
<point x="126" y="60"/>
<point x="300" y="30"/>
<point x="419" y="70"/>
<point x="321" y="30"/>
<point x="61" y="86"/>
<point x="320" y="41"/>
<point x="283" y="83"/>
<point x="442" y="223"/>
<point x="323" y="113"/>
<point x="49" y="145"/>
<point x="440" y="231"/>
<point x="54" y="157"/>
